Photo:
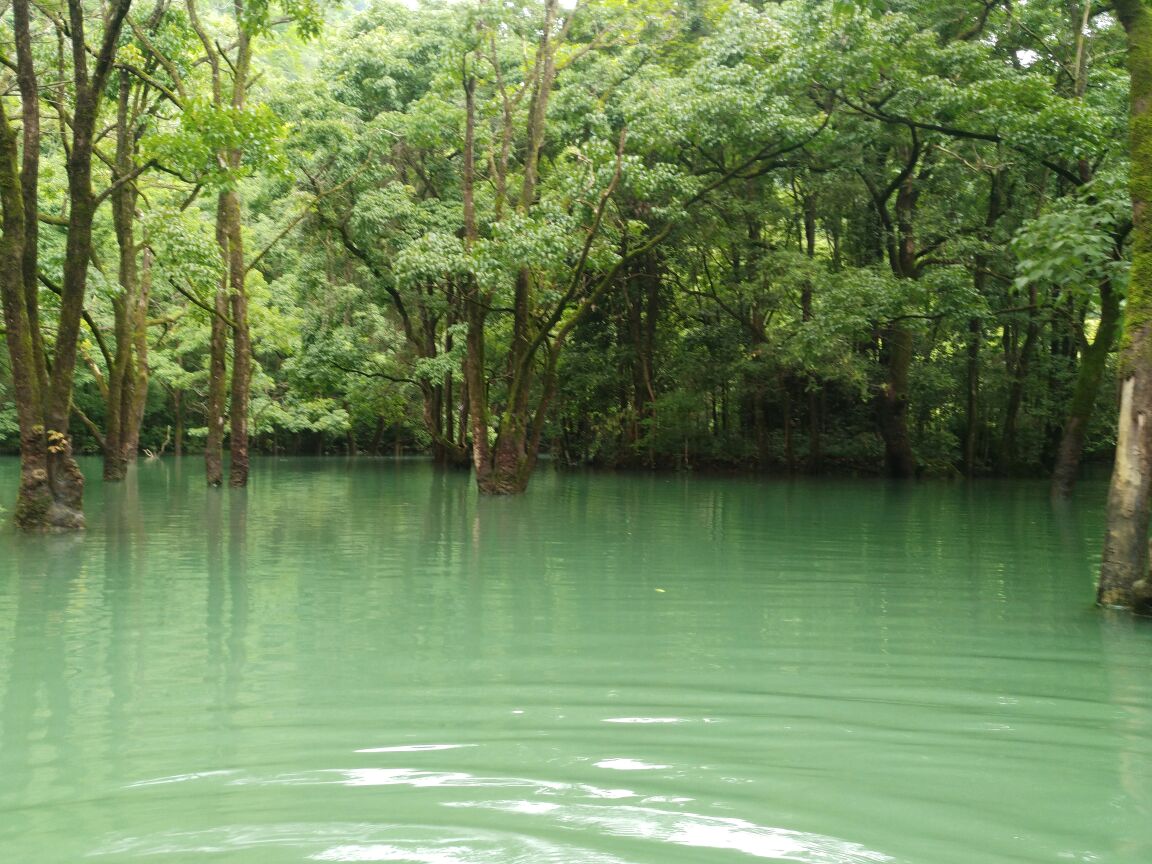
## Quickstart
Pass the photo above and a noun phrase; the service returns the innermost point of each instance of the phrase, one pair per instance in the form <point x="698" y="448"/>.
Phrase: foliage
<point x="740" y="209"/>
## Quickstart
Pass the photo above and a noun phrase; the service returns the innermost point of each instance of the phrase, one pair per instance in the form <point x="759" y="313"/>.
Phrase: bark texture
<point x="51" y="490"/>
<point x="1124" y="567"/>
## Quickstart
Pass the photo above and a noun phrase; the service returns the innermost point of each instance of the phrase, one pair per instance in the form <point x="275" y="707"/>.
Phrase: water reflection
<point x="1125" y="644"/>
<point x="369" y="663"/>
<point x="40" y="748"/>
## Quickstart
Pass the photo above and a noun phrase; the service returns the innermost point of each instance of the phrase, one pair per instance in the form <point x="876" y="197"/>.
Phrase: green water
<point x="365" y="662"/>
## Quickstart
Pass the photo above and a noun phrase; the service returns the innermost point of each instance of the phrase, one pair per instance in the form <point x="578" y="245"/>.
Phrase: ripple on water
<point x="362" y="842"/>
<point x="585" y="812"/>
<point x="699" y="831"/>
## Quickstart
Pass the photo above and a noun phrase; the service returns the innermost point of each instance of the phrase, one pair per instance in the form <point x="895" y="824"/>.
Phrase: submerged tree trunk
<point x="1124" y="567"/>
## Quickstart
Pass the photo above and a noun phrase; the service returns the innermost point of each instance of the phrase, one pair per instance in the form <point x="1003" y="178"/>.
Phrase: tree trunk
<point x="120" y="377"/>
<point x="812" y="384"/>
<point x="34" y="500"/>
<point x="377" y="437"/>
<point x="504" y="467"/>
<point x="51" y="489"/>
<point x="892" y="402"/>
<point x="178" y="434"/>
<point x="1088" y="379"/>
<point x="138" y="315"/>
<point x="1018" y="376"/>
<point x="896" y="341"/>
<point x="972" y="395"/>
<point x="217" y="363"/>
<point x="241" y="345"/>
<point x="1124" y="566"/>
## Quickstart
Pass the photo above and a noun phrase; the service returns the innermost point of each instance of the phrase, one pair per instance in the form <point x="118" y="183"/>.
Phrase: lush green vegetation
<point x="816" y="236"/>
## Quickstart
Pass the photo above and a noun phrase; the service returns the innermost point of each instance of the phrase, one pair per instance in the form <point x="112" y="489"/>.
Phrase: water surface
<point x="363" y="661"/>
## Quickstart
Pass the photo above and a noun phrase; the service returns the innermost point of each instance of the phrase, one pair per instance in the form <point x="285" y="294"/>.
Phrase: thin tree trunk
<point x="178" y="434"/>
<point x="241" y="346"/>
<point x="1124" y="566"/>
<point x="241" y="336"/>
<point x="892" y="403"/>
<point x="120" y="378"/>
<point x="138" y="314"/>
<point x="1018" y="377"/>
<point x="217" y="362"/>
<point x="972" y="395"/>
<point x="1088" y="379"/>
<point x="812" y="384"/>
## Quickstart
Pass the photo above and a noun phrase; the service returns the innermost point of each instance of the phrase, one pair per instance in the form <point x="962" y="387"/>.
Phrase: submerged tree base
<point x="500" y="483"/>
<point x="51" y="491"/>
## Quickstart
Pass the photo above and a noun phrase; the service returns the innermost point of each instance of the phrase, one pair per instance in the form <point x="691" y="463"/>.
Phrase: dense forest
<point x="804" y="236"/>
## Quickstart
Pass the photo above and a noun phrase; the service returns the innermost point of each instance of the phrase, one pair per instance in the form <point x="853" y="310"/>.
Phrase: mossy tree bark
<point x="1124" y="567"/>
<point x="35" y="498"/>
<point x="51" y="488"/>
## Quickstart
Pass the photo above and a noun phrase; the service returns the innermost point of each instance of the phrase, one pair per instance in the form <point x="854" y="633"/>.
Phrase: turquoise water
<point x="363" y="661"/>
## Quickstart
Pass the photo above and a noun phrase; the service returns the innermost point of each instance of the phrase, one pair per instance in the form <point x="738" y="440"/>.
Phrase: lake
<point x="363" y="661"/>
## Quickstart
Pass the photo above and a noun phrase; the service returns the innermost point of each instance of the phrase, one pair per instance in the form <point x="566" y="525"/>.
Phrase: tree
<point x="51" y="485"/>
<point x="1124" y="577"/>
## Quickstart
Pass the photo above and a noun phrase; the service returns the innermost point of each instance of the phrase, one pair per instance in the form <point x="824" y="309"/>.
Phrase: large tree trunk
<point x="1088" y="379"/>
<point x="1124" y="566"/>
<point x="34" y="500"/>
